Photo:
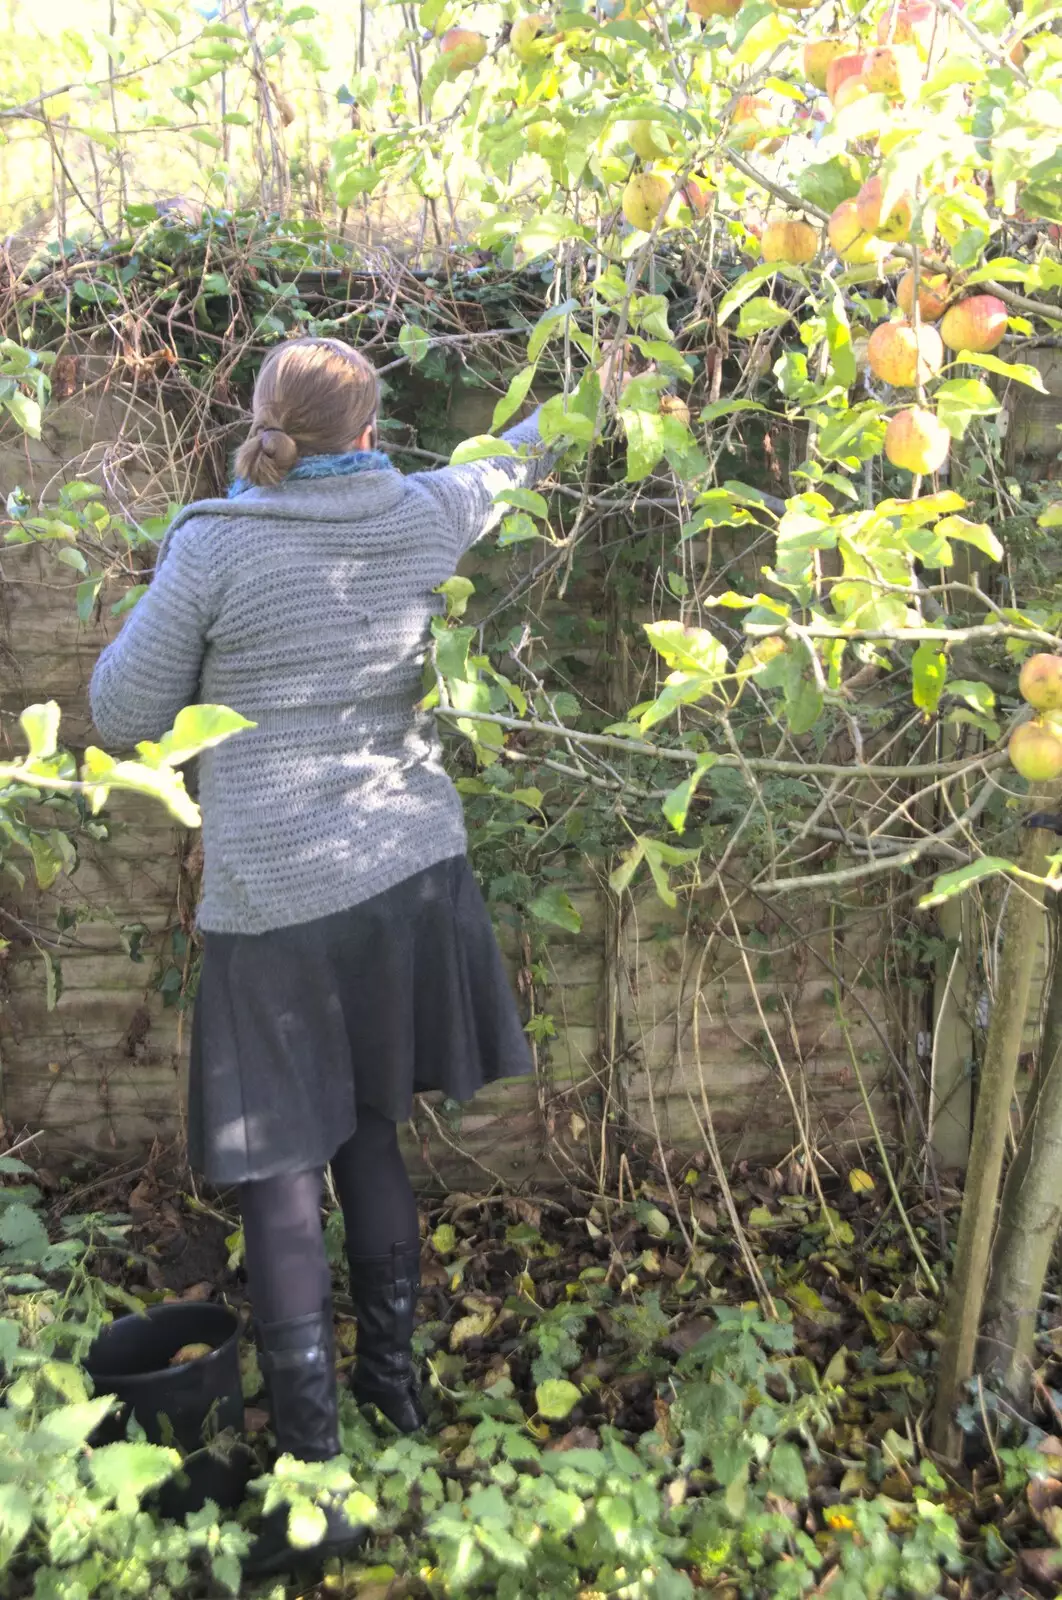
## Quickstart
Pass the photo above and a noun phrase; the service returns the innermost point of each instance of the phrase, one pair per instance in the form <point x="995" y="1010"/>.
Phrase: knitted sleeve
<point x="151" y="671"/>
<point x="466" y="494"/>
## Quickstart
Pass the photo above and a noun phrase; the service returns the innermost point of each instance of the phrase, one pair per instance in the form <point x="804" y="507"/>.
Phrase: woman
<point x="348" y="958"/>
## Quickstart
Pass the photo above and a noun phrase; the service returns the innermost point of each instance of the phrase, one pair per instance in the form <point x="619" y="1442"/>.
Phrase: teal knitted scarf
<point x="337" y="466"/>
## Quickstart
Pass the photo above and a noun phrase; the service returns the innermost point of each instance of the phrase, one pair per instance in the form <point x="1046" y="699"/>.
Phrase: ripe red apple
<point x="917" y="441"/>
<point x="903" y="358"/>
<point x="1040" y="682"/>
<point x="752" y="118"/>
<point x="916" y="22"/>
<point x="840" y="68"/>
<point x="1035" y="750"/>
<point x="714" y="8"/>
<point x="644" y="198"/>
<point x="894" y="70"/>
<point x="463" y="50"/>
<point x="977" y="324"/>
<point x="789" y="240"/>
<point x="932" y="295"/>
<point x="850" y="239"/>
<point x="897" y="224"/>
<point x="817" y="58"/>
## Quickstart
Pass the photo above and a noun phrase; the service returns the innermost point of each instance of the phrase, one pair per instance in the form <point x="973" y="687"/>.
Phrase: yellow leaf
<point x="474" y="1326"/>
<point x="861" y="1182"/>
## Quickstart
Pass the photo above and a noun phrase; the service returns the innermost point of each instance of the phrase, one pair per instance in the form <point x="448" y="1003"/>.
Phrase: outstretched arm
<point x="466" y="494"/>
<point x="152" y="669"/>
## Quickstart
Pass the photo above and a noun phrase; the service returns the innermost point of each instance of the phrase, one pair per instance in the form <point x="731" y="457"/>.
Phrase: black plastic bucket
<point x="187" y="1405"/>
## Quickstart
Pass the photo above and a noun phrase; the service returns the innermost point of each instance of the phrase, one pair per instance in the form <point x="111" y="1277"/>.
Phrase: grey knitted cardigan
<point x="307" y="608"/>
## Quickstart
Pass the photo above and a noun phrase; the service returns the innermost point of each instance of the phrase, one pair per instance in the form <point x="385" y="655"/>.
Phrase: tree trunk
<point x="1030" y="1211"/>
<point x="1022" y="926"/>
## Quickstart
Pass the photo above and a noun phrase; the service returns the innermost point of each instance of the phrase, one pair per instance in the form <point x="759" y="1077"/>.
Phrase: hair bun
<point x="279" y="447"/>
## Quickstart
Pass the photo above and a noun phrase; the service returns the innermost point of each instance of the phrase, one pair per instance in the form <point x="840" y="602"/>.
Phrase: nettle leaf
<point x="22" y="1231"/>
<point x="556" y="1399"/>
<point x="553" y="906"/>
<point x="126" y="1471"/>
<point x="16" y="1519"/>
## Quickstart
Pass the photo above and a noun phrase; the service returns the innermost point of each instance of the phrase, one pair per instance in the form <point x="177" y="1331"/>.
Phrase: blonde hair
<point x="312" y="397"/>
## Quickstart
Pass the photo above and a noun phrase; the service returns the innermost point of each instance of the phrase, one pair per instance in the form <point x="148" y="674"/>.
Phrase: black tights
<point x="287" y="1269"/>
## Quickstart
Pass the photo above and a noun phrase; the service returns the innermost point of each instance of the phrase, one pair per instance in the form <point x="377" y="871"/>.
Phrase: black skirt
<point x="296" y="1028"/>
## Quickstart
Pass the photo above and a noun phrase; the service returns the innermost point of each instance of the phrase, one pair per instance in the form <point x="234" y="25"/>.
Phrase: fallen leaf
<point x="197" y="1291"/>
<point x="473" y="1326"/>
<point x="860" y="1182"/>
<point x="1043" y="1565"/>
<point x="576" y="1439"/>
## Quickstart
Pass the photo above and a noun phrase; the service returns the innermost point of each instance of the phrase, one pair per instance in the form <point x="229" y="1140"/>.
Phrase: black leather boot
<point x="384" y="1290"/>
<point x="298" y="1363"/>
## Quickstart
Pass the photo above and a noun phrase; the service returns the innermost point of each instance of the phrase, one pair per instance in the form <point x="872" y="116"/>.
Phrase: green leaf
<point x="513" y="397"/>
<point x="827" y="183"/>
<point x="553" y="906"/>
<point x="70" y="1425"/>
<point x="1017" y="371"/>
<point x="549" y="324"/>
<point x="528" y="500"/>
<point x="457" y="592"/>
<point x="40" y="724"/>
<point x="87" y="595"/>
<point x="129" y="599"/>
<point x="556" y="1399"/>
<point x="676" y="803"/>
<point x="126" y="1471"/>
<point x="929" y="667"/>
<point x="413" y="342"/>
<point x="960" y="400"/>
<point x="979" y="534"/>
<point x="26" y="412"/>
<point x="689" y="649"/>
<point x="646" y="442"/>
<point x="451" y="652"/>
<point x="749" y="282"/>
<point x="630" y="861"/>
<point x="950" y="884"/>
<point x="760" y="314"/>
<point x="204" y="135"/>
<point x="481" y="448"/>
<point x="199" y="728"/>
<point x="307" y="1523"/>
<point x="22" y="1230"/>
<point x="16" y="1519"/>
<point x="546" y="231"/>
